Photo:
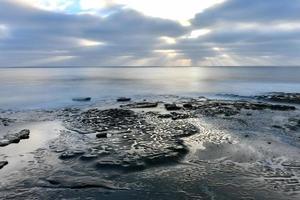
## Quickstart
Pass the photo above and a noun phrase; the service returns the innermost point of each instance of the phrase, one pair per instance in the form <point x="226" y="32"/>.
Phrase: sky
<point x="149" y="33"/>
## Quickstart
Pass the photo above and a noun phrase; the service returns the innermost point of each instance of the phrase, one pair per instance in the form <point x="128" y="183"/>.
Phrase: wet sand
<point x="165" y="147"/>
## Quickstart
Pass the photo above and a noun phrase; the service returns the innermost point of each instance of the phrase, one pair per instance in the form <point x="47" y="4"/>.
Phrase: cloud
<point x="249" y="32"/>
<point x="124" y="34"/>
<point x="119" y="32"/>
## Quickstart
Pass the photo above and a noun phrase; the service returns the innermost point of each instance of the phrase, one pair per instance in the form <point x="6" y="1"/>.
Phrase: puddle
<point x="21" y="154"/>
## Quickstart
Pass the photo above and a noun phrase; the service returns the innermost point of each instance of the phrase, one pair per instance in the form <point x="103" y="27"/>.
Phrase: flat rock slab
<point x="230" y="108"/>
<point x="82" y="182"/>
<point x="128" y="140"/>
<point x="82" y="99"/>
<point x="281" y="97"/>
<point x="14" y="138"/>
<point x="141" y="105"/>
<point x="6" y="121"/>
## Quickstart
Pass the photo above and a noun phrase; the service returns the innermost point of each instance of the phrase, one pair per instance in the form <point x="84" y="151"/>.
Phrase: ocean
<point x="31" y="88"/>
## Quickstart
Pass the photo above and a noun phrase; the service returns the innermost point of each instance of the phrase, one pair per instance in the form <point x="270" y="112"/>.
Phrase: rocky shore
<point x="120" y="148"/>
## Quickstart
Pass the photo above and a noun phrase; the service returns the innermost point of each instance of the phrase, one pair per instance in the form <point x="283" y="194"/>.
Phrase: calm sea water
<point x="26" y="88"/>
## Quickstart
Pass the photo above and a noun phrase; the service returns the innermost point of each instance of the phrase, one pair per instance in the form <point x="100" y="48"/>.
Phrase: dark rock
<point x="188" y="106"/>
<point x="14" y="138"/>
<point x="277" y="126"/>
<point x="171" y="107"/>
<point x="23" y="134"/>
<point x="6" y="121"/>
<point x="70" y="154"/>
<point x="176" y="115"/>
<point x="230" y="108"/>
<point x="3" y="163"/>
<point x="101" y="135"/>
<point x="282" y="107"/>
<point x="165" y="116"/>
<point x="141" y="105"/>
<point x="77" y="182"/>
<point x="123" y="99"/>
<point x="281" y="97"/>
<point x="88" y="157"/>
<point x="130" y="145"/>
<point x="109" y="164"/>
<point x="82" y="99"/>
<point x="4" y="142"/>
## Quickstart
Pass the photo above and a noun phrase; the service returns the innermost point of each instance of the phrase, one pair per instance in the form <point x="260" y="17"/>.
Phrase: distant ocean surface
<point x="29" y="88"/>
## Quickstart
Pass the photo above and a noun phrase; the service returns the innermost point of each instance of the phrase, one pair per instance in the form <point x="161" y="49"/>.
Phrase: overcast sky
<point x="147" y="33"/>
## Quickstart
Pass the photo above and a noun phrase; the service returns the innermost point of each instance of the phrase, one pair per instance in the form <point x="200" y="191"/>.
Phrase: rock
<point x="23" y="134"/>
<point x="70" y="154"/>
<point x="109" y="164"/>
<point x="3" y="163"/>
<point x="281" y="97"/>
<point x="6" y="121"/>
<point x="130" y="145"/>
<point x="82" y="99"/>
<point x="14" y="138"/>
<point x="188" y="106"/>
<point x="101" y="135"/>
<point x="88" y="157"/>
<point x="141" y="105"/>
<point x="230" y="108"/>
<point x="123" y="99"/>
<point x="282" y="107"/>
<point x="277" y="126"/>
<point x="77" y="182"/>
<point x="4" y="142"/>
<point x="176" y="115"/>
<point x="171" y="107"/>
<point x="165" y="116"/>
<point x="293" y="124"/>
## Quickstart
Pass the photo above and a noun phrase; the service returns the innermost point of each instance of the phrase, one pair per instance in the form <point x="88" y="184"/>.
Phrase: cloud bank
<point x="133" y="33"/>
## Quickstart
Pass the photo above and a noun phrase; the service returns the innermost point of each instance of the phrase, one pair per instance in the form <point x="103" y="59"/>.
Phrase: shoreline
<point x="256" y="139"/>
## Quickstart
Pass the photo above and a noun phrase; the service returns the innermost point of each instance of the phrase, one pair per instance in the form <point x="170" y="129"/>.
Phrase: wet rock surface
<point x="281" y="97"/>
<point x="82" y="99"/>
<point x="141" y="105"/>
<point x="123" y="99"/>
<point x="172" y="106"/>
<point x="210" y="149"/>
<point x="3" y="163"/>
<point x="14" y="138"/>
<point x="230" y="108"/>
<point x="81" y="182"/>
<point x="6" y="121"/>
<point x="126" y="140"/>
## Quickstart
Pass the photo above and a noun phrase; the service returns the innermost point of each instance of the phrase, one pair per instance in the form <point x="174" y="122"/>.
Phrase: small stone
<point x="88" y="157"/>
<point x="123" y="99"/>
<point x="188" y="106"/>
<point x="24" y="134"/>
<point x="82" y="99"/>
<point x="102" y="135"/>
<point x="3" y="163"/>
<point x="172" y="107"/>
